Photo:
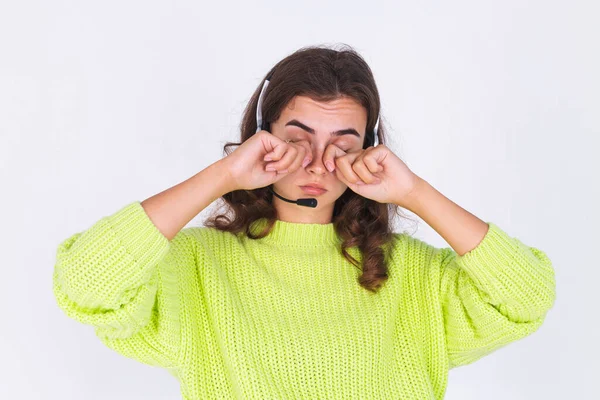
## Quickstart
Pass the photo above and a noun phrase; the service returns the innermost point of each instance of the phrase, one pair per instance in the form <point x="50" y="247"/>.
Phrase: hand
<point x="248" y="166"/>
<point x="375" y="173"/>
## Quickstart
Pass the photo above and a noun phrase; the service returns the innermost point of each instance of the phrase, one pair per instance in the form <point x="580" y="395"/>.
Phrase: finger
<point x="363" y="172"/>
<point x="276" y="148"/>
<point x="307" y="155"/>
<point x="296" y="161"/>
<point x="282" y="165"/>
<point x="344" y="165"/>
<point x="343" y="179"/>
<point x="366" y="166"/>
<point x="372" y="164"/>
<point x="329" y="156"/>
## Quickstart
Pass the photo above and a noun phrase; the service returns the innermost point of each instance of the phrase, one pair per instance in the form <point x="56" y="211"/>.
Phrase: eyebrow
<point x="341" y="132"/>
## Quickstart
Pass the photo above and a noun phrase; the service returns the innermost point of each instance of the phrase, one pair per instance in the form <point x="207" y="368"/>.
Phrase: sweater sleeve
<point x="497" y="293"/>
<point x="121" y="276"/>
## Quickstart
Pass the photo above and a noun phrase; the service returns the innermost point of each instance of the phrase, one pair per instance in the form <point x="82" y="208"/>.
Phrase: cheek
<point x="340" y="186"/>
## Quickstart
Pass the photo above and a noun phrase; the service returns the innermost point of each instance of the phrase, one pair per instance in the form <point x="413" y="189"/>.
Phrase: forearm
<point x="462" y="230"/>
<point x="175" y="207"/>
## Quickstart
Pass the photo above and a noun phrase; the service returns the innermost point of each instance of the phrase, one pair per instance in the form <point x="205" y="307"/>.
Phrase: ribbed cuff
<point x="104" y="266"/>
<point x="138" y="234"/>
<point x="510" y="272"/>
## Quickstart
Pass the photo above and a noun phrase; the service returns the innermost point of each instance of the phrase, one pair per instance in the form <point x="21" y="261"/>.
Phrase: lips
<point x="314" y="185"/>
<point x="313" y="190"/>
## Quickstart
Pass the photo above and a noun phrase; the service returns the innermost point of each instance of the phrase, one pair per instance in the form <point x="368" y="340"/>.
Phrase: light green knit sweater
<point x="284" y="317"/>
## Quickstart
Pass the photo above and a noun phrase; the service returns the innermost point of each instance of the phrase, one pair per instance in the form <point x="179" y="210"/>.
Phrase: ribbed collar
<point x="299" y="234"/>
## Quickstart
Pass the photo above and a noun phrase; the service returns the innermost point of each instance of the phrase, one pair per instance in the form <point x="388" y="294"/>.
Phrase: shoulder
<point x="407" y="252"/>
<point x="203" y="237"/>
<point x="406" y="243"/>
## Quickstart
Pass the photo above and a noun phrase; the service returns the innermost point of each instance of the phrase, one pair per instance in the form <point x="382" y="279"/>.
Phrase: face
<point x="307" y="119"/>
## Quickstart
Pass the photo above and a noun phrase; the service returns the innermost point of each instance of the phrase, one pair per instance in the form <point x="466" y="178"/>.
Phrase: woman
<point x="307" y="299"/>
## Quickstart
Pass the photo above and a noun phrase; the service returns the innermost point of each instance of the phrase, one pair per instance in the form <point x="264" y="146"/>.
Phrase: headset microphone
<point x="306" y="202"/>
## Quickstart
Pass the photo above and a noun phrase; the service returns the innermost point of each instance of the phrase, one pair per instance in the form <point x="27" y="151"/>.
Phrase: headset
<point x="372" y="140"/>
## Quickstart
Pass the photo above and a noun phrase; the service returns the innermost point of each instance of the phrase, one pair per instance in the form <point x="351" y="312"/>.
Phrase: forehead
<point x="341" y="111"/>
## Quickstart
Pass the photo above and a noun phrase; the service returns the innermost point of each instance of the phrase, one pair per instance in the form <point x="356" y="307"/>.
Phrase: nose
<point x="316" y="164"/>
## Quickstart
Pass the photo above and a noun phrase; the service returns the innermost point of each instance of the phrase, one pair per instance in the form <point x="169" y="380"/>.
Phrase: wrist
<point x="415" y="198"/>
<point x="222" y="175"/>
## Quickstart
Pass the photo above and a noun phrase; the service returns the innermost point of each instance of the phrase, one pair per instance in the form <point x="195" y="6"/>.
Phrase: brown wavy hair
<point x="323" y="74"/>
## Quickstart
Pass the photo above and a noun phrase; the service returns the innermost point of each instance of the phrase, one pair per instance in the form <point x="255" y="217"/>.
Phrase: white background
<point x="495" y="103"/>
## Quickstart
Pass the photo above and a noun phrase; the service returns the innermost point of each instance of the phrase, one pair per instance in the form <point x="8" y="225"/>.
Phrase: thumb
<point x="274" y="147"/>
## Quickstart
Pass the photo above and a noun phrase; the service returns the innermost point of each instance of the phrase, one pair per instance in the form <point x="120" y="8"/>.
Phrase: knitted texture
<point x="284" y="317"/>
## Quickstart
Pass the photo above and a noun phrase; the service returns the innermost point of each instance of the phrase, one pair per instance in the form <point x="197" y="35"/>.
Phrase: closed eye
<point x="338" y="145"/>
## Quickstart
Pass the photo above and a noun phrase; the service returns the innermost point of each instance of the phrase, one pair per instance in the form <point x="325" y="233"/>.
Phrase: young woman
<point x="301" y="289"/>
